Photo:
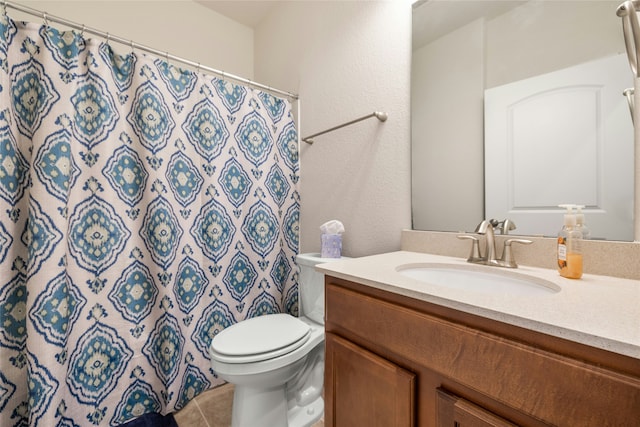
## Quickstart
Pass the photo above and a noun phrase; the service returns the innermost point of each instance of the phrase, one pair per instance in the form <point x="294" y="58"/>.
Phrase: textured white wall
<point x="181" y="27"/>
<point x="347" y="59"/>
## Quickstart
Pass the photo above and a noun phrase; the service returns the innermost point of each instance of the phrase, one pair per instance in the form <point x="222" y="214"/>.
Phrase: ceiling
<point x="431" y="18"/>
<point x="434" y="18"/>
<point x="248" y="13"/>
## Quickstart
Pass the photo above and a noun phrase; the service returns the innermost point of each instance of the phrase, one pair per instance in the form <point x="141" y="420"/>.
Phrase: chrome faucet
<point x="486" y="228"/>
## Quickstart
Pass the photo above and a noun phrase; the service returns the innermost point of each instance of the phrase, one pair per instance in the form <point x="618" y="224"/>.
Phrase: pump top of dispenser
<point x="581" y="223"/>
<point x="569" y="216"/>
<point x="579" y="214"/>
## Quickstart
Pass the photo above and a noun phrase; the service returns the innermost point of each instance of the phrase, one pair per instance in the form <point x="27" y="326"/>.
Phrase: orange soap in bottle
<point x="570" y="246"/>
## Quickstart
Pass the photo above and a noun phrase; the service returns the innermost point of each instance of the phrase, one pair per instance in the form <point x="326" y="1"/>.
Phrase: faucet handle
<point x="474" y="255"/>
<point x="507" y="259"/>
<point x="507" y="226"/>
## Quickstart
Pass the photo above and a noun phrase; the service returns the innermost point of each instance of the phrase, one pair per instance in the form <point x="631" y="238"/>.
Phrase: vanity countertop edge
<point x="599" y="311"/>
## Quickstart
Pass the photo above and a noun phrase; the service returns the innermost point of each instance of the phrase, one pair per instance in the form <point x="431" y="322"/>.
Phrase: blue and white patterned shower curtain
<point x="143" y="208"/>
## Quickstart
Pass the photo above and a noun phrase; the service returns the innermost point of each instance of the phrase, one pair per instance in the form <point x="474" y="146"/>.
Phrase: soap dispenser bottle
<point x="581" y="224"/>
<point x="570" y="246"/>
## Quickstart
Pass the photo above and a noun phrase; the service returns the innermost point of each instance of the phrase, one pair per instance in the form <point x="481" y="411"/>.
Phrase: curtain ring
<point x="166" y="57"/>
<point x="198" y="68"/>
<point x="108" y="38"/>
<point x="4" y="8"/>
<point x="80" y="36"/>
<point x="45" y="19"/>
<point x="132" y="46"/>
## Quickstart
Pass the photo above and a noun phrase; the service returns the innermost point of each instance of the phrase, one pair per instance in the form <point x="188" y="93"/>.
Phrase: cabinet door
<point x="363" y="389"/>
<point x="453" y="411"/>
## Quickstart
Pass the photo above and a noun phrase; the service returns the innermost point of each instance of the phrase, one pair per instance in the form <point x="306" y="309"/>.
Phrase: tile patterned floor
<point x="209" y="409"/>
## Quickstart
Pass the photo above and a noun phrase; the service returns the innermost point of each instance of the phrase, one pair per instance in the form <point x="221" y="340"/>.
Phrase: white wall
<point x="181" y="27"/>
<point x="346" y="60"/>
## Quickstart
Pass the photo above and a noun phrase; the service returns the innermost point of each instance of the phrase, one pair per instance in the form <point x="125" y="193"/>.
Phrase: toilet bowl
<point x="276" y="361"/>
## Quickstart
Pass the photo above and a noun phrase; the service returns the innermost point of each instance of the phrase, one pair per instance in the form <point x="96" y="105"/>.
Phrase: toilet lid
<point x="261" y="338"/>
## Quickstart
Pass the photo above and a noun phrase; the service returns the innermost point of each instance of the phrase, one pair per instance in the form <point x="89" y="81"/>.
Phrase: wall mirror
<point x="466" y="49"/>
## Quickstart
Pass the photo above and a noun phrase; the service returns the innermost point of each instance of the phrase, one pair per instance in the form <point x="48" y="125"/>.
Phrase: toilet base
<point x="268" y="407"/>
<point x="254" y="407"/>
<point x="306" y="416"/>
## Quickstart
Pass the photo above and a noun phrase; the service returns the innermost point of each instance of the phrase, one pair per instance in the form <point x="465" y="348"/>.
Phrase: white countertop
<point x="599" y="311"/>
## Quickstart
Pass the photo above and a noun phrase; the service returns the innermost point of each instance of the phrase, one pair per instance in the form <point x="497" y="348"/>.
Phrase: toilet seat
<point x="260" y="338"/>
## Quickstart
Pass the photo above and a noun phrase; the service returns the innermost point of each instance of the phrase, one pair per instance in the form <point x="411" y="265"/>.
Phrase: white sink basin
<point x="479" y="279"/>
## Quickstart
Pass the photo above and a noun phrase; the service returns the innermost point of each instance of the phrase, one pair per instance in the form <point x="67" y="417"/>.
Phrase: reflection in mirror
<point x="462" y="49"/>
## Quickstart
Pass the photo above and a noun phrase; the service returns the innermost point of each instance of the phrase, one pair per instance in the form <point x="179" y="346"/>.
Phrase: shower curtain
<point x="143" y="208"/>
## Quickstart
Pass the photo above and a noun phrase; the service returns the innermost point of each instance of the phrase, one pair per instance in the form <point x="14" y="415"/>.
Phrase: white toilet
<point x="276" y="361"/>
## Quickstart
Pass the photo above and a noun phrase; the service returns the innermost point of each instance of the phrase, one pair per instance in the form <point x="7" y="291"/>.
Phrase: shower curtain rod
<point x="109" y="37"/>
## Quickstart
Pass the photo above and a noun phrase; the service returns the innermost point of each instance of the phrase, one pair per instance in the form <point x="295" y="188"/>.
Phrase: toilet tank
<point x="311" y="286"/>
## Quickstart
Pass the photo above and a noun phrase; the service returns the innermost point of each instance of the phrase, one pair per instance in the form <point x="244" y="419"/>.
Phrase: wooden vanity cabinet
<point x="392" y="360"/>
<point x="373" y="391"/>
<point x="454" y="411"/>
